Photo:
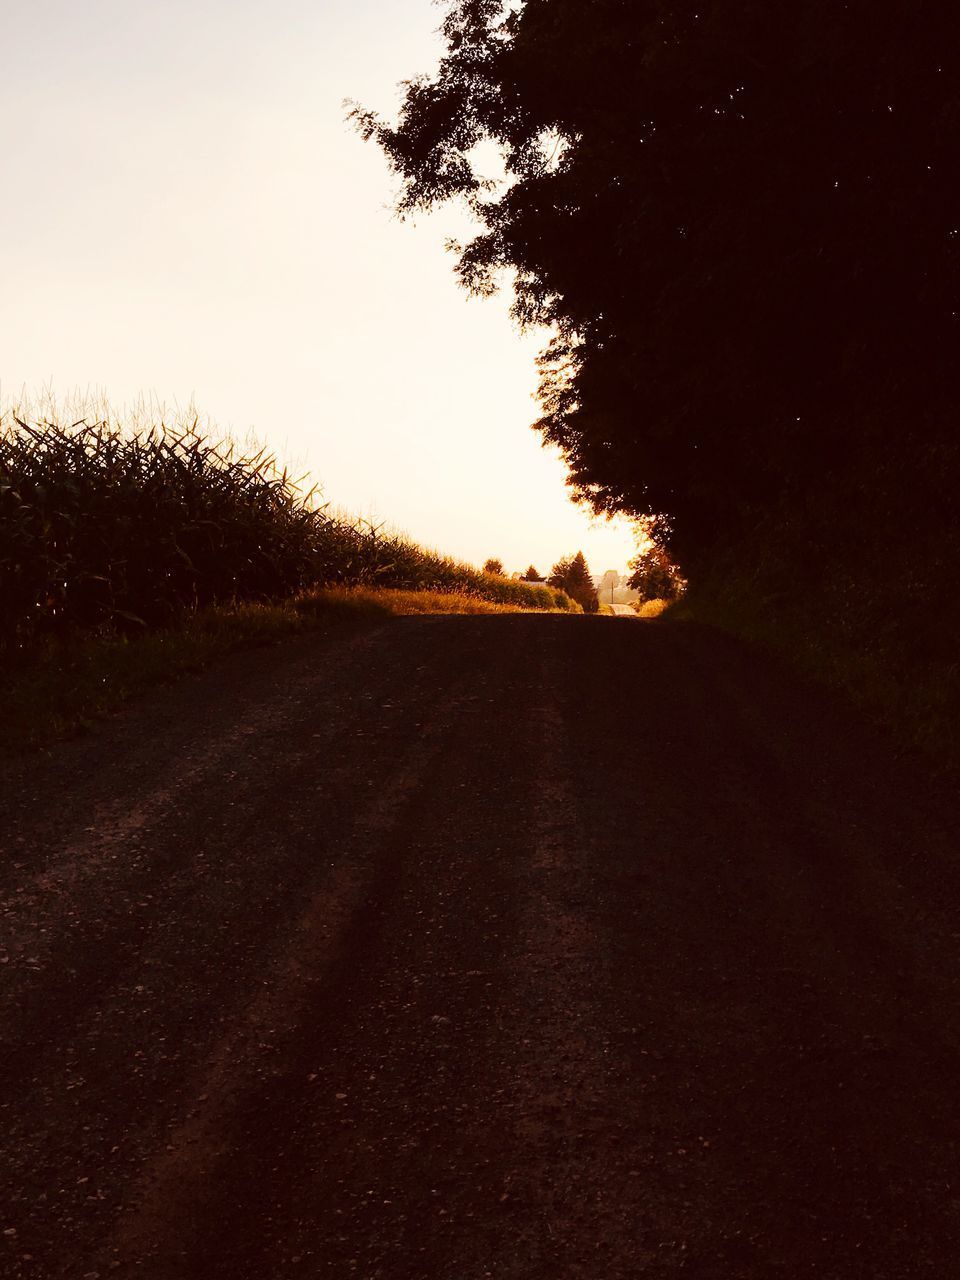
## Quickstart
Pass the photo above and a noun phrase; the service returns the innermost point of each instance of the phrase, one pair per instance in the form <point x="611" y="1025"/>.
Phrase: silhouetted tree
<point x="654" y="576"/>
<point x="740" y="219"/>
<point x="493" y="566"/>
<point x="532" y="575"/>
<point x="572" y="576"/>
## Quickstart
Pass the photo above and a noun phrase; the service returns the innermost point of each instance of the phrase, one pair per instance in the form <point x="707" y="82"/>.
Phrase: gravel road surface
<point x="518" y="947"/>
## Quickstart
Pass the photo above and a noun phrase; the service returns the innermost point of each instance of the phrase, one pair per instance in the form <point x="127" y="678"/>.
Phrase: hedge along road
<point x="518" y="946"/>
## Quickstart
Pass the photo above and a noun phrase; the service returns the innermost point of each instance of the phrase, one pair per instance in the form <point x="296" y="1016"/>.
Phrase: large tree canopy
<point x="739" y="217"/>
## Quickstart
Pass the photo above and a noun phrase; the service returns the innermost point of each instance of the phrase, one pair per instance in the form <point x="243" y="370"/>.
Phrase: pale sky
<point x="188" y="217"/>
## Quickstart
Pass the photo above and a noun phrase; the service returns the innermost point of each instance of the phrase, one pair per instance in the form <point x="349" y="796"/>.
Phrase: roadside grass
<point x="856" y="586"/>
<point x="653" y="608"/>
<point x="62" y="687"/>
<point x="406" y="603"/>
<point x="918" y="702"/>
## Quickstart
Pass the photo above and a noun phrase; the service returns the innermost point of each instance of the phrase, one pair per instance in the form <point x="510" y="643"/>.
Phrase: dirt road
<point x="515" y="947"/>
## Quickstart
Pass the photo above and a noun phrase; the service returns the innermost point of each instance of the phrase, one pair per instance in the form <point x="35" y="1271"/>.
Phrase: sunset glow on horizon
<point x="194" y="222"/>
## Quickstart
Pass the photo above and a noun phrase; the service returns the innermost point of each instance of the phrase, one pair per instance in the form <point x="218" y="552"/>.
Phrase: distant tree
<point x="532" y="575"/>
<point x="493" y="566"/>
<point x="559" y="572"/>
<point x="572" y="576"/>
<point x="654" y="575"/>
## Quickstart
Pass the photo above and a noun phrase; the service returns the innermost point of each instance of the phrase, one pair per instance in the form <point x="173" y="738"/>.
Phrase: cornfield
<point x="106" y="528"/>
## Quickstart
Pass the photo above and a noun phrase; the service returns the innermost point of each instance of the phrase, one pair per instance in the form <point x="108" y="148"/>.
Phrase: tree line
<point x="570" y="574"/>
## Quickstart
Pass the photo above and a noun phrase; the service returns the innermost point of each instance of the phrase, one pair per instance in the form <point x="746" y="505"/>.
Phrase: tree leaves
<point x="738" y="219"/>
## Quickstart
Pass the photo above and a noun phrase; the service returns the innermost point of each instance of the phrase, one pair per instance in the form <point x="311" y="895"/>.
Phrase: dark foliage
<point x="572" y="576"/>
<point x="97" y="526"/>
<point x="493" y="566"/>
<point x="742" y="220"/>
<point x="654" y="576"/>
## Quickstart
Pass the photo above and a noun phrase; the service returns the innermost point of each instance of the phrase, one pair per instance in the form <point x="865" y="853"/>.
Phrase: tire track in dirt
<point x="568" y="1188"/>
<point x="362" y="1121"/>
<point x="797" y="992"/>
<point x="85" y="1057"/>
<point x="109" y="847"/>
<point x="177" y="1178"/>
<point x="476" y="970"/>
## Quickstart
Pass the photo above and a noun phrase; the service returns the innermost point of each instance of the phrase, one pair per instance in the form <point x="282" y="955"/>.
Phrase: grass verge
<point x="64" y="687"/>
<point x="653" y="608"/>
<point x="918" y="701"/>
